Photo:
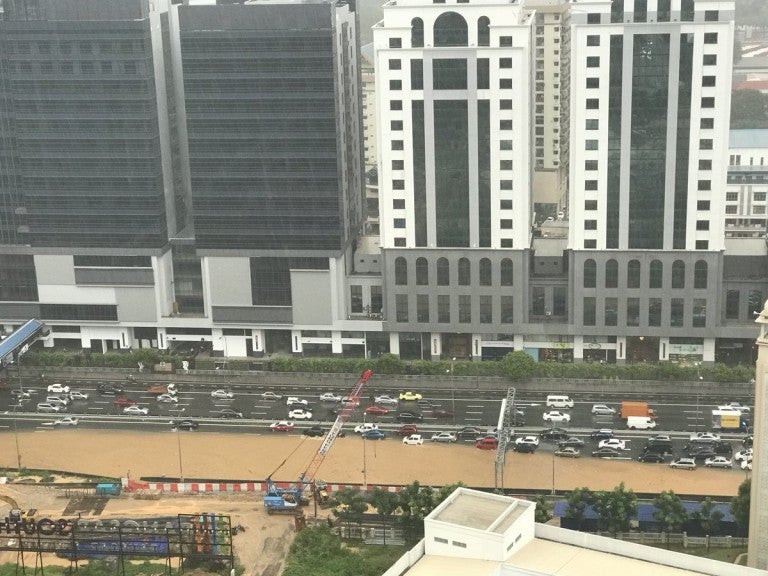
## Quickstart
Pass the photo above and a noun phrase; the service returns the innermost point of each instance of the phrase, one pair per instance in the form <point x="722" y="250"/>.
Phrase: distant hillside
<point x="370" y="13"/>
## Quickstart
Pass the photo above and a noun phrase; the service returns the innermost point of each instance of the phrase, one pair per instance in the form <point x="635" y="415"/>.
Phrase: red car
<point x="407" y="430"/>
<point x="440" y="413"/>
<point x="487" y="443"/>
<point x="282" y="426"/>
<point x="124" y="402"/>
<point x="376" y="410"/>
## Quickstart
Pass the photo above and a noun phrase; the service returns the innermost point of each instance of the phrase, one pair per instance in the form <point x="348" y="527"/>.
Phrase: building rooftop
<point x="473" y="511"/>
<point x="749" y="138"/>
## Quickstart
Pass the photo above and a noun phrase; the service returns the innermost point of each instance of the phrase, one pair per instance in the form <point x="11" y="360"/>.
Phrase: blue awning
<point x="24" y="335"/>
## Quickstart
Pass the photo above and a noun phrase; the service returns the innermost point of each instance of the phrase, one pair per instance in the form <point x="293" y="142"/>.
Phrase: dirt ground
<point x="261" y="549"/>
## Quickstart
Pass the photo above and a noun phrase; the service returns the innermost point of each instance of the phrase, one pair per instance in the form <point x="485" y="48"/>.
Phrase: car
<point x="162" y="389"/>
<point x="442" y="413"/>
<point x="48" y="407"/>
<point x="185" y="424"/>
<point x="67" y="421"/>
<point x="407" y="430"/>
<point x="606" y="453"/>
<point x="313" y="431"/>
<point x="21" y="394"/>
<point x="660" y="438"/>
<point x="376" y="410"/>
<point x="700" y="453"/>
<point x="295" y="401"/>
<point x="109" y="389"/>
<point x="554" y="434"/>
<point x="410" y="396"/>
<point x="123" y="402"/>
<point x="385" y="400"/>
<point x="270" y="396"/>
<point x="444" y="437"/>
<point x="77" y="395"/>
<point x="568" y="452"/>
<point x="722" y="447"/>
<point x="718" y="462"/>
<point x="409" y="417"/>
<point x="365" y="427"/>
<point x="329" y="397"/>
<point x="426" y="404"/>
<point x="487" y="443"/>
<point x="374" y="434"/>
<point x="556" y="416"/>
<point x="704" y="437"/>
<point x="167" y="399"/>
<point x="601" y="434"/>
<point x="282" y="426"/>
<point x="603" y="410"/>
<point x="683" y="464"/>
<point x="58" y="389"/>
<point x="571" y="442"/>
<point x="534" y="440"/>
<point x="747" y="440"/>
<point x="735" y="406"/>
<point x="228" y="413"/>
<point x="469" y="433"/>
<point x="614" y="443"/>
<point x="743" y="455"/>
<point x="413" y="440"/>
<point x="135" y="411"/>
<point x="525" y="448"/>
<point x="746" y="464"/>
<point x="61" y="400"/>
<point x="654" y="457"/>
<point x="657" y="448"/>
<point x="222" y="394"/>
<point x="300" y="414"/>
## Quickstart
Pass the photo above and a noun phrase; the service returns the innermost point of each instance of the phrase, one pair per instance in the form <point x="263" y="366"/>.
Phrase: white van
<point x="640" y="423"/>
<point x="559" y="401"/>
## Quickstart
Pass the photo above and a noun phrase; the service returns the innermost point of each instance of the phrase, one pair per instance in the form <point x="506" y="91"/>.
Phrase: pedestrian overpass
<point x="13" y="346"/>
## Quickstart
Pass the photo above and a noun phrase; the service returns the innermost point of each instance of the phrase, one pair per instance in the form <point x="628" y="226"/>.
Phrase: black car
<point x="602" y="434"/>
<point x="228" y="414"/>
<point x="185" y="425"/>
<point x="723" y="447"/>
<point x="526" y="448"/>
<point x="109" y="389"/>
<point x="572" y="441"/>
<point x="606" y="453"/>
<point x="314" y="431"/>
<point x="555" y="434"/>
<point x="747" y="441"/>
<point x="654" y="457"/>
<point x="700" y="453"/>
<point x="469" y="433"/>
<point x="657" y="448"/>
<point x="409" y="417"/>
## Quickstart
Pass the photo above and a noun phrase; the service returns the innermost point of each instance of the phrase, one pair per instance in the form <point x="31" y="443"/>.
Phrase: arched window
<point x="422" y="272"/>
<point x="417" y="33"/>
<point x="700" y="274"/>
<point x="450" y="30"/>
<point x="611" y="274"/>
<point x="507" y="272"/>
<point x="465" y="274"/>
<point x="657" y="274"/>
<point x="633" y="274"/>
<point x="678" y="274"/>
<point x="590" y="274"/>
<point x="443" y="272"/>
<point x="483" y="31"/>
<point x="401" y="271"/>
<point x="486" y="273"/>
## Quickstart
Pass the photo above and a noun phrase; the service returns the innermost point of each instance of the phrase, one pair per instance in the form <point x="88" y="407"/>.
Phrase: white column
<point x="477" y="347"/>
<point x="757" y="556"/>
<point x="435" y="345"/>
<point x="578" y="348"/>
<point x="709" y="351"/>
<point x="258" y="340"/>
<point x="621" y="348"/>
<point x="663" y="349"/>
<point x="336" y="347"/>
<point x="296" y="346"/>
<point x="394" y="343"/>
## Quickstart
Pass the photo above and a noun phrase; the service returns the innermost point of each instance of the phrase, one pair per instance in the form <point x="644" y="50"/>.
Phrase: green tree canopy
<point x="740" y="505"/>
<point x="386" y="503"/>
<point x="578" y="500"/>
<point x="518" y="365"/>
<point x="543" y="509"/>
<point x="615" y="509"/>
<point x="708" y="517"/>
<point x="670" y="512"/>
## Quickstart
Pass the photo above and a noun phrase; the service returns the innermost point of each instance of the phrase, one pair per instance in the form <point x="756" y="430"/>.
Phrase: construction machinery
<point x="287" y="500"/>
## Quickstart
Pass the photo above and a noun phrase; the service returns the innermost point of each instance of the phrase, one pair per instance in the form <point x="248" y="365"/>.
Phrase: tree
<point x="386" y="503"/>
<point x="740" y="505"/>
<point x="518" y="365"/>
<point x="749" y="109"/>
<point x="708" y="517"/>
<point x="543" y="509"/>
<point x="446" y="491"/>
<point x="670" y="512"/>
<point x="615" y="509"/>
<point x="578" y="500"/>
<point x="349" y="503"/>
<point x="416" y="502"/>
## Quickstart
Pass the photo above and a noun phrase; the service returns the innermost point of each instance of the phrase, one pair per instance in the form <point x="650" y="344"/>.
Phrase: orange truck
<point x="631" y="408"/>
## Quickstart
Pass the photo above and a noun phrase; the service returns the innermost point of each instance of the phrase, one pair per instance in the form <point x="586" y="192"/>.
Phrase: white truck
<point x="641" y="423"/>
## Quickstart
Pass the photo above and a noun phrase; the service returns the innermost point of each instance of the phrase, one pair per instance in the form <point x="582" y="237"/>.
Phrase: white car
<point x="222" y="394"/>
<point x="58" y="389"/>
<point x="746" y="464"/>
<point x="135" y="411"/>
<point x="603" y="410"/>
<point x="300" y="414"/>
<point x="295" y="401"/>
<point x="413" y="440"/>
<point x="705" y="437"/>
<point x="614" y="443"/>
<point x="166" y="398"/>
<point x="271" y="396"/>
<point x="77" y="395"/>
<point x="329" y="397"/>
<point x="734" y="406"/>
<point x="534" y="440"/>
<point x="68" y="421"/>
<point x="444" y="437"/>
<point x="718" y="462"/>
<point x="385" y="400"/>
<point x="360" y="428"/>
<point x="48" y="407"/>
<point x="683" y="463"/>
<point x="743" y="455"/>
<point x="556" y="416"/>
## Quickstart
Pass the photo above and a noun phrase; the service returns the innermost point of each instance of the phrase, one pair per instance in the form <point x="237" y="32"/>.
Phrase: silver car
<point x="48" y="407"/>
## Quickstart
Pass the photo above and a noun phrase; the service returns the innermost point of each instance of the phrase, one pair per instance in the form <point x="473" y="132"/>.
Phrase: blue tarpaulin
<point x="645" y="511"/>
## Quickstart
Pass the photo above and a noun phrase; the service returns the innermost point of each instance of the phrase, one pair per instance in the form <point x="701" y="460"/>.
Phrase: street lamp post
<point x="178" y="439"/>
<point x="365" y="473"/>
